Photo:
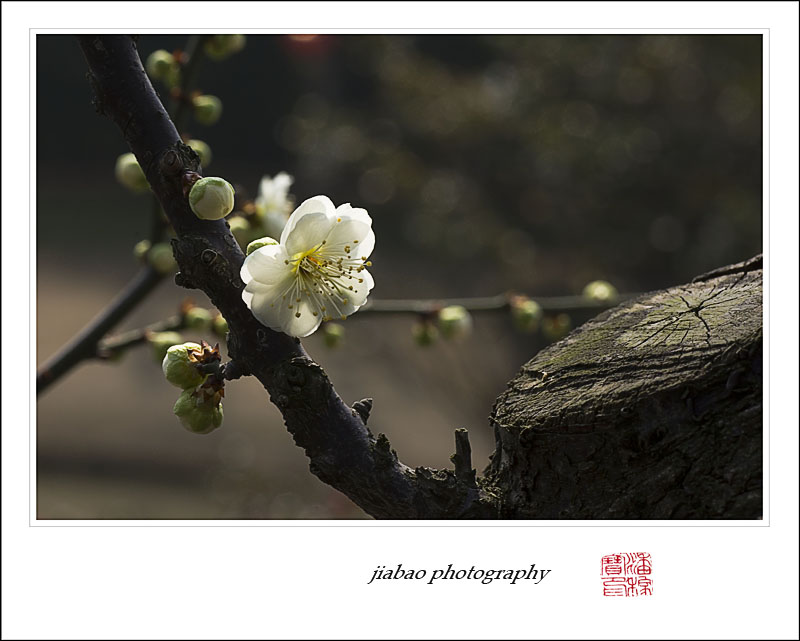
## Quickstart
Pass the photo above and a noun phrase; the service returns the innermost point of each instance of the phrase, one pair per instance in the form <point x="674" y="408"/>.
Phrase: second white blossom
<point x="317" y="272"/>
<point x="274" y="203"/>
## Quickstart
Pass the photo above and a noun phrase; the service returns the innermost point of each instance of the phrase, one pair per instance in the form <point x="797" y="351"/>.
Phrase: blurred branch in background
<point x="84" y="345"/>
<point x="114" y="346"/>
<point x="500" y="302"/>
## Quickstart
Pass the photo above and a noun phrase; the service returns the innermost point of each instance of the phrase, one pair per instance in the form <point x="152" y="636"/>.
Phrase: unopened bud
<point x="332" y="334"/>
<point x="526" y="314"/>
<point x="179" y="366"/>
<point x="161" y="259"/>
<point x="207" y="109"/>
<point x="424" y="333"/>
<point x="221" y="46"/>
<point x="454" y="321"/>
<point x="140" y="249"/>
<point x="196" y="415"/>
<point x="556" y="327"/>
<point x="198" y="318"/>
<point x="211" y="198"/>
<point x="202" y="149"/>
<point x="600" y="291"/>
<point x="261" y="242"/>
<point x="219" y="326"/>
<point x="160" y="64"/>
<point x="160" y="342"/>
<point x="130" y="174"/>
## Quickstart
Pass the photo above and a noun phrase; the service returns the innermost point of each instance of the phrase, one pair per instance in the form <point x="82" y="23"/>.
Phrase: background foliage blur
<point x="488" y="163"/>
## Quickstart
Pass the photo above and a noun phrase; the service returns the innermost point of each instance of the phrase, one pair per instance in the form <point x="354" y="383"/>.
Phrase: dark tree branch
<point x="462" y="459"/>
<point x="343" y="452"/>
<point x="84" y="345"/>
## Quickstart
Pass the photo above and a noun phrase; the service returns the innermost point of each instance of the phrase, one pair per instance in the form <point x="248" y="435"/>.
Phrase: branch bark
<point x="342" y="451"/>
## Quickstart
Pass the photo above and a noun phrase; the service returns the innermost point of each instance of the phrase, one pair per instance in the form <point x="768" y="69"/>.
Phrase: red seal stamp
<point x="627" y="574"/>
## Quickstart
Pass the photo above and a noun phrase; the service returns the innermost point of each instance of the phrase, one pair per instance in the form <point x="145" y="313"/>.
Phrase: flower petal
<point x="349" y="300"/>
<point x="361" y="290"/>
<point x="267" y="265"/>
<point x="356" y="213"/>
<point x="360" y="228"/>
<point x="281" y="184"/>
<point x="304" y="324"/>
<point x="351" y="238"/>
<point x="317" y="204"/>
<point x="309" y="231"/>
<point x="280" y="313"/>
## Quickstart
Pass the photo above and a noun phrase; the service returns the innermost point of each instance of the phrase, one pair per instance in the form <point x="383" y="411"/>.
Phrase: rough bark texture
<point x="652" y="410"/>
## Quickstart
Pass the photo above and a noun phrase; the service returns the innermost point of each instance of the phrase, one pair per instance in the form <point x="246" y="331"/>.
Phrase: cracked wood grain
<point x="651" y="410"/>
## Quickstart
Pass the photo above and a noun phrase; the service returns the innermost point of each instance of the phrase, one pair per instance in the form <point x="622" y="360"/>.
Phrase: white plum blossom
<point x="273" y="203"/>
<point x="317" y="272"/>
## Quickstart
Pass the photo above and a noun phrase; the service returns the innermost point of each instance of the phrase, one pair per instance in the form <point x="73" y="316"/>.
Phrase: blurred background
<point x="489" y="163"/>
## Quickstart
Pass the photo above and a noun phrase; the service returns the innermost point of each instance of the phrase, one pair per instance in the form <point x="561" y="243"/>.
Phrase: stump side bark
<point x="652" y="410"/>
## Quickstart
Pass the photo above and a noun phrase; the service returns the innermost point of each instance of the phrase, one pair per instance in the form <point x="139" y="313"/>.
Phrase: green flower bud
<point x="332" y="334"/>
<point x="241" y="229"/>
<point x="195" y="415"/>
<point x="261" y="242"/>
<point x="160" y="342"/>
<point x="160" y="64"/>
<point x="600" y="291"/>
<point x="556" y="327"/>
<point x="201" y="149"/>
<point x="130" y="174"/>
<point x="454" y="321"/>
<point x="221" y="46"/>
<point x="424" y="333"/>
<point x="198" y="318"/>
<point x="526" y="314"/>
<point x="140" y="249"/>
<point x="179" y="368"/>
<point x="207" y="109"/>
<point x="219" y="326"/>
<point x="163" y="66"/>
<point x="161" y="259"/>
<point x="211" y="198"/>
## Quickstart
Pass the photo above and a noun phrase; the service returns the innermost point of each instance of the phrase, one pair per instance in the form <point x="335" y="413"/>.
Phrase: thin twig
<point x="84" y="344"/>
<point x="183" y="101"/>
<point x="499" y="302"/>
<point x="110" y="347"/>
<point x="554" y="304"/>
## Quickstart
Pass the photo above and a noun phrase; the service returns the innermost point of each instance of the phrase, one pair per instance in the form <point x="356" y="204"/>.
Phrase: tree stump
<point x="652" y="410"/>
